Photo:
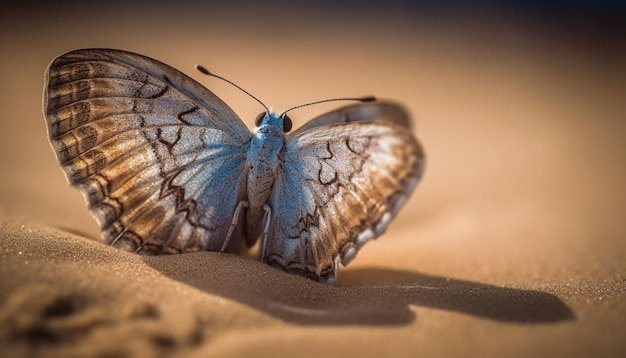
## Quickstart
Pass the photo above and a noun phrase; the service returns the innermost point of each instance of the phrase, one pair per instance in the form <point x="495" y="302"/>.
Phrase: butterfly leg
<point x="233" y="223"/>
<point x="268" y="219"/>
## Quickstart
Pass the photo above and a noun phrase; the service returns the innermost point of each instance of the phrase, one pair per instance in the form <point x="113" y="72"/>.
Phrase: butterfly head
<point x="270" y="119"/>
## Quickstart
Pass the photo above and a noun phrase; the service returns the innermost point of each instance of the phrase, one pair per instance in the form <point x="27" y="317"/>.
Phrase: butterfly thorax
<point x="263" y="158"/>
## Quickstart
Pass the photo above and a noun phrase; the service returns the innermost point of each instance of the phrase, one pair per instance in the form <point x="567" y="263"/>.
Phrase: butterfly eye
<point x="287" y="124"/>
<point x="259" y="119"/>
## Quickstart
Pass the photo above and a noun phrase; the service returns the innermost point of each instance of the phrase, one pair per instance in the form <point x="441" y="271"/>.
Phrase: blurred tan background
<point x="521" y="111"/>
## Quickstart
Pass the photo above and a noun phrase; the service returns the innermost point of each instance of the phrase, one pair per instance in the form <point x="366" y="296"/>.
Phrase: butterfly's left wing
<point x="159" y="158"/>
<point x="339" y="187"/>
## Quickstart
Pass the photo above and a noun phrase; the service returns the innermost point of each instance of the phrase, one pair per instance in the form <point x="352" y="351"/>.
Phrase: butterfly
<point x="165" y="166"/>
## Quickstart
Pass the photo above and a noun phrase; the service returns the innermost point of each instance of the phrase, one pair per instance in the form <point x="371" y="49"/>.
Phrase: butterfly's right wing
<point x="340" y="185"/>
<point x="159" y="158"/>
<point x="378" y="111"/>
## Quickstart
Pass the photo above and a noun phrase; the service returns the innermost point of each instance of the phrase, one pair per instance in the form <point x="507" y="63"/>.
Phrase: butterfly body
<point x="266" y="149"/>
<point x="167" y="167"/>
<point x="263" y="158"/>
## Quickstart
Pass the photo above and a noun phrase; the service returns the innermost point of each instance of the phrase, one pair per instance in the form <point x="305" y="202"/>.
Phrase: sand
<point x="513" y="245"/>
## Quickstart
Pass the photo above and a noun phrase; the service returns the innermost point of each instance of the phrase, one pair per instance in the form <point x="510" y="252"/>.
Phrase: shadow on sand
<point x="373" y="296"/>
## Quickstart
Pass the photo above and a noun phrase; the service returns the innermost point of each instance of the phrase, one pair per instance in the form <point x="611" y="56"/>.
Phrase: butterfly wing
<point x="159" y="158"/>
<point x="366" y="112"/>
<point x="339" y="187"/>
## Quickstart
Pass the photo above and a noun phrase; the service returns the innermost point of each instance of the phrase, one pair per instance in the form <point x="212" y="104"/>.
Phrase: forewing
<point x="367" y="112"/>
<point x="158" y="157"/>
<point x="340" y="186"/>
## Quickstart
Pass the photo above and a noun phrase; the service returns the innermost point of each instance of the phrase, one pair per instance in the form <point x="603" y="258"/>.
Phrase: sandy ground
<point x="513" y="245"/>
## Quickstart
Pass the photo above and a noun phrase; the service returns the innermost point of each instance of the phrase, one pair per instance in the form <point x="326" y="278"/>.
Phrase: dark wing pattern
<point x="159" y="158"/>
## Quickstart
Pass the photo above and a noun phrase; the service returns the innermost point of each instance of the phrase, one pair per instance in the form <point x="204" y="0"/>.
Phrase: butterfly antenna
<point x="360" y="99"/>
<point x="209" y="73"/>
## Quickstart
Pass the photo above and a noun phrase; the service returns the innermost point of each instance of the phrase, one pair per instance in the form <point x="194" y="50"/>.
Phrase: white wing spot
<point x="384" y="222"/>
<point x="348" y="256"/>
<point x="364" y="237"/>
